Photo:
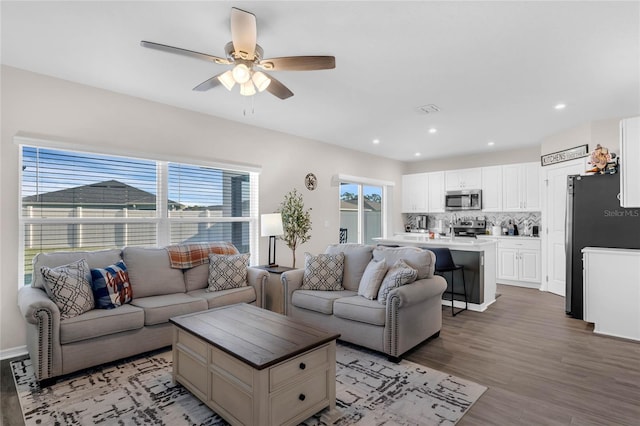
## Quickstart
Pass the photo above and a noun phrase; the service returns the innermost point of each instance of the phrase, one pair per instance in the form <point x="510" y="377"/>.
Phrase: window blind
<point x="75" y="201"/>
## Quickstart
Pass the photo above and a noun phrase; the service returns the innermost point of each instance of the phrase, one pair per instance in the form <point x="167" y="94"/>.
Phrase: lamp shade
<point x="271" y="224"/>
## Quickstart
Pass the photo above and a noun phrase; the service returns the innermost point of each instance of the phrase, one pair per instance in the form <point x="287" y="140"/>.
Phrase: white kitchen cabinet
<point x="630" y="162"/>
<point x="414" y="193"/>
<point x="519" y="261"/>
<point x="492" y="189"/>
<point x="611" y="291"/>
<point x="521" y="187"/>
<point x="435" y="193"/>
<point x="456" y="180"/>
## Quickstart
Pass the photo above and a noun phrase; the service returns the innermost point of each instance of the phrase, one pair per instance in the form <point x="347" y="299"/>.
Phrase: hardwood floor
<point x="541" y="367"/>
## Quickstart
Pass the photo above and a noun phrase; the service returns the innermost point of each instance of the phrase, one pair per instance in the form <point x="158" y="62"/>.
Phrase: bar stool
<point x="445" y="263"/>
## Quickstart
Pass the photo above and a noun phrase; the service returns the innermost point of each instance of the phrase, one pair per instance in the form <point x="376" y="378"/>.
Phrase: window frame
<point x="161" y="219"/>
<point x="384" y="207"/>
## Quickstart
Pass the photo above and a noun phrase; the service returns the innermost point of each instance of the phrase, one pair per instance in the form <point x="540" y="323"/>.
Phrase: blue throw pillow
<point x="111" y="286"/>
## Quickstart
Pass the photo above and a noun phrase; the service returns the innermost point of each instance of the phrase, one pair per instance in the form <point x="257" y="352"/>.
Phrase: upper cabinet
<point x="492" y="189"/>
<point x="436" y="192"/>
<point x="414" y="193"/>
<point x="463" y="179"/>
<point x="630" y="162"/>
<point x="521" y="187"/>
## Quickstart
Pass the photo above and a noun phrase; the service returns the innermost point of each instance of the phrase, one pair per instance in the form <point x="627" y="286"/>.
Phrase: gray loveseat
<point x="412" y="313"/>
<point x="61" y="346"/>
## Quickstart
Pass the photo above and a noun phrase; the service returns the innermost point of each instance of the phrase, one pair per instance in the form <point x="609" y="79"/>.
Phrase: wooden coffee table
<point x="255" y="367"/>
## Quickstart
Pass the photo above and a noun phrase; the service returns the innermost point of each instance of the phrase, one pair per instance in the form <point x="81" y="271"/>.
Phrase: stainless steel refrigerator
<point x="594" y="219"/>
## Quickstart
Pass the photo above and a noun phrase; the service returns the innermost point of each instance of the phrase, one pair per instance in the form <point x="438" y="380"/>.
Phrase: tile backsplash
<point x="492" y="218"/>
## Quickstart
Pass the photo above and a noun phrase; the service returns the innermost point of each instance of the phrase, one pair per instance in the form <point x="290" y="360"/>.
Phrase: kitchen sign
<point x="566" y="155"/>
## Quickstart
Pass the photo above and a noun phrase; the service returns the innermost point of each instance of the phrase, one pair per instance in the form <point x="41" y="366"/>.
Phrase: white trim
<point x="25" y="139"/>
<point x="13" y="352"/>
<point x="336" y="179"/>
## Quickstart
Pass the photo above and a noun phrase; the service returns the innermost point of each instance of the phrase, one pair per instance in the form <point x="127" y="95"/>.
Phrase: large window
<point x="84" y="201"/>
<point x="361" y="212"/>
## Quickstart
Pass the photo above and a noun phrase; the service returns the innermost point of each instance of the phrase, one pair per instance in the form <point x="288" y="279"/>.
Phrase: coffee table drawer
<point x="294" y="368"/>
<point x="293" y="401"/>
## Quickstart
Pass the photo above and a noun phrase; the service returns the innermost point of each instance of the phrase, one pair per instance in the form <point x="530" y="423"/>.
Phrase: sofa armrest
<point x="257" y="278"/>
<point x="418" y="291"/>
<point x="43" y="331"/>
<point x="291" y="281"/>
<point x="34" y="302"/>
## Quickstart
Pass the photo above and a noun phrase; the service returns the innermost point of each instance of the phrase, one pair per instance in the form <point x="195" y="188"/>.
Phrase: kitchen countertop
<point x="508" y="237"/>
<point x="422" y="240"/>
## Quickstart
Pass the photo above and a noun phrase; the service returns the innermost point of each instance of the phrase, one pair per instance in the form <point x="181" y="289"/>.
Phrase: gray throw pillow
<point x="398" y="275"/>
<point x="227" y="271"/>
<point x="372" y="278"/>
<point x="69" y="287"/>
<point x="323" y="272"/>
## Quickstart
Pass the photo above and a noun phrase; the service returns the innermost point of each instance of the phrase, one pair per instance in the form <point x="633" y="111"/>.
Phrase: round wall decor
<point x="311" y="181"/>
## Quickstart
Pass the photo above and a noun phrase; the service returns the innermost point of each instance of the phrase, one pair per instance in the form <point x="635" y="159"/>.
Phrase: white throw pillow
<point x="70" y="288"/>
<point x="323" y="272"/>
<point x="398" y="275"/>
<point x="372" y="278"/>
<point x="227" y="271"/>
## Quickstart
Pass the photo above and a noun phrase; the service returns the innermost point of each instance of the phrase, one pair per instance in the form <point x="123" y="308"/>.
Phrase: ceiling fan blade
<point x="278" y="89"/>
<point x="298" y="63"/>
<point x="184" y="52"/>
<point x="208" y="84"/>
<point x="244" y="33"/>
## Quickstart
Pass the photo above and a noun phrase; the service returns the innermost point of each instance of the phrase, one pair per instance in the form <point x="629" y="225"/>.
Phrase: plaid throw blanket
<point x="185" y="256"/>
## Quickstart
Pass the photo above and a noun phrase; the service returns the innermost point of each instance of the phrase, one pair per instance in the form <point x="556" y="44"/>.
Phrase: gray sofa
<point x="412" y="313"/>
<point x="59" y="347"/>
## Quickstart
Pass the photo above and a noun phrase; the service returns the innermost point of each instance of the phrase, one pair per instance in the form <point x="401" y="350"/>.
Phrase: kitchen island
<point x="478" y="258"/>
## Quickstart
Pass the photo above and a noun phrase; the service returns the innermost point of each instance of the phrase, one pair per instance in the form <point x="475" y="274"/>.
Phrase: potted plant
<point x="296" y="221"/>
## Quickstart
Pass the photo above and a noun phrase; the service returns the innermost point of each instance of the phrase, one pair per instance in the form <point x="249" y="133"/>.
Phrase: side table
<point x="273" y="296"/>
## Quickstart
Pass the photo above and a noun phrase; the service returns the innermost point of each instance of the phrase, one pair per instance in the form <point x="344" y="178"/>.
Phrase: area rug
<point x="370" y="391"/>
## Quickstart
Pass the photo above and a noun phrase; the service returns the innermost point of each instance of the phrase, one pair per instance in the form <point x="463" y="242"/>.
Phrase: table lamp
<point x="270" y="226"/>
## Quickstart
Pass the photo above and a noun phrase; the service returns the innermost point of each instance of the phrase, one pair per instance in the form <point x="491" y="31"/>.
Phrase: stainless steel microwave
<point x="463" y="200"/>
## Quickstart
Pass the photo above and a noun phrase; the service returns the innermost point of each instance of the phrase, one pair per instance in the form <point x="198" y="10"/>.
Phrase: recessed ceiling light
<point x="560" y="106"/>
<point x="376" y="141"/>
<point x="433" y="130"/>
<point x="491" y="143"/>
<point x="417" y="154"/>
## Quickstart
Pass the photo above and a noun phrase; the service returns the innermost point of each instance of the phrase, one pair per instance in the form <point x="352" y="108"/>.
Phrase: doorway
<point x="553" y="223"/>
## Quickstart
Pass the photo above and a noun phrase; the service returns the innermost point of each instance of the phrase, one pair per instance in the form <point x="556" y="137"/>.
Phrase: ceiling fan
<point x="246" y="56"/>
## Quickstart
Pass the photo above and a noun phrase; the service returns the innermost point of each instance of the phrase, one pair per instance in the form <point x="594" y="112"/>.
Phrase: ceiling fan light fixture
<point x="247" y="88"/>
<point x="260" y="80"/>
<point x="241" y="73"/>
<point x="227" y="80"/>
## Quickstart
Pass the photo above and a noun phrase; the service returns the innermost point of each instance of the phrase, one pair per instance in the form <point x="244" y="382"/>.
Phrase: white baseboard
<point x="13" y="352"/>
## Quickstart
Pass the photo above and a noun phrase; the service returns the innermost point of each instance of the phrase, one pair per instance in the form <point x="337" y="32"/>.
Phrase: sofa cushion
<point x="95" y="259"/>
<point x="357" y="308"/>
<point x="101" y="322"/>
<point x="69" y="286"/>
<point x="356" y="259"/>
<point x="111" y="287"/>
<point x="158" y="309"/>
<point x="398" y="275"/>
<point x="421" y="260"/>
<point x="323" y="272"/>
<point x="318" y="300"/>
<point x="150" y="273"/>
<point x="246" y="294"/>
<point x="227" y="271"/>
<point x="196" y="278"/>
<point x="372" y="279"/>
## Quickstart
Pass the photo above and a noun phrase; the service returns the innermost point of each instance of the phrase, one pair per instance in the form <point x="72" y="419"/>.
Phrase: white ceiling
<point x="495" y="69"/>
